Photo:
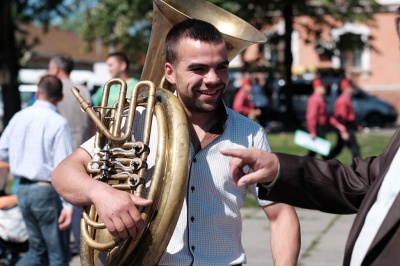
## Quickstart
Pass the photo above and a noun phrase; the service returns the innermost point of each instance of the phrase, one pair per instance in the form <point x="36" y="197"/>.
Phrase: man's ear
<point x="123" y="66"/>
<point x="170" y="73"/>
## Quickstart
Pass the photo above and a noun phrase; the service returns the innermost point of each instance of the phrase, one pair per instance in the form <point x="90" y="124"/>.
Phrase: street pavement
<point x="323" y="238"/>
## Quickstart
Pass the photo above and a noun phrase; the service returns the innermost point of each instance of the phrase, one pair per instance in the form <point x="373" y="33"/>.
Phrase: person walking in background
<point x="61" y="66"/>
<point x="317" y="116"/>
<point x="260" y="101"/>
<point x="242" y="102"/>
<point x="34" y="142"/>
<point x="344" y="113"/>
<point x="118" y="66"/>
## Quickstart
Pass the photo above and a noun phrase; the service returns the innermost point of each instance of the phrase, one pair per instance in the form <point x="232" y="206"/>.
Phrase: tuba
<point x="122" y="162"/>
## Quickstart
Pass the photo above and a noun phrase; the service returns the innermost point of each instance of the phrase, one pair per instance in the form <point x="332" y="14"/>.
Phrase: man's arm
<point x="285" y="233"/>
<point x="312" y="117"/>
<point x="116" y="208"/>
<point x="306" y="182"/>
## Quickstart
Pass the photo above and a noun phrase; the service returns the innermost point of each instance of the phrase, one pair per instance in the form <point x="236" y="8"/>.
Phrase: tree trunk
<point x="291" y="121"/>
<point x="8" y="64"/>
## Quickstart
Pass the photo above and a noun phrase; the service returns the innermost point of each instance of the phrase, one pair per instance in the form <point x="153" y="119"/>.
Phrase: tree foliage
<point x="126" y="23"/>
<point x="13" y="42"/>
<point x="120" y="24"/>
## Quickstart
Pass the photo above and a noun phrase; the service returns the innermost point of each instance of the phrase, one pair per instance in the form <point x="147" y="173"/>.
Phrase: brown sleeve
<point x="328" y="186"/>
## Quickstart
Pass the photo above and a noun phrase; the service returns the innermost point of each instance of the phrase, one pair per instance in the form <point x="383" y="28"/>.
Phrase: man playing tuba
<point x="208" y="231"/>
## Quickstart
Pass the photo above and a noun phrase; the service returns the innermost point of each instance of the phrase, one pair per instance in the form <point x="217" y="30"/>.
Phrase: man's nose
<point x="212" y="77"/>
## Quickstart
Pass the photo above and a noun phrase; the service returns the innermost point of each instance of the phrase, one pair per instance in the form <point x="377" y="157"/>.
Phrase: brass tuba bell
<point x="122" y="163"/>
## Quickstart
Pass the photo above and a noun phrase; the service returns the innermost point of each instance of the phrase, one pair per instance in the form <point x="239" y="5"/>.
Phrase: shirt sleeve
<point x="96" y="98"/>
<point x="62" y="143"/>
<point x="261" y="143"/>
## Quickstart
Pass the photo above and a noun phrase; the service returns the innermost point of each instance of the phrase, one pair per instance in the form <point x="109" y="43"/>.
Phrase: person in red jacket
<point x="344" y="113"/>
<point x="242" y="102"/>
<point x="317" y="116"/>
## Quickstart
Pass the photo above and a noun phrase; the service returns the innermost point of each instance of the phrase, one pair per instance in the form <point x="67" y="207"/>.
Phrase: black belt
<point x="26" y="181"/>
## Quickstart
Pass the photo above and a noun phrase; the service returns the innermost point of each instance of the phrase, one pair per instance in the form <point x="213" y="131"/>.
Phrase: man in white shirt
<point x="33" y="143"/>
<point x="209" y="227"/>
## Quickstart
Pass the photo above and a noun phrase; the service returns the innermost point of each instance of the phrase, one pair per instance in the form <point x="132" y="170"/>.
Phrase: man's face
<point x="115" y="68"/>
<point x="320" y="90"/>
<point x="200" y="74"/>
<point x="53" y="69"/>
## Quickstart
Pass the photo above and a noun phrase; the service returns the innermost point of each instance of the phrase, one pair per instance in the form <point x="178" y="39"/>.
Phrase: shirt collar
<point x="45" y="104"/>
<point x="214" y="132"/>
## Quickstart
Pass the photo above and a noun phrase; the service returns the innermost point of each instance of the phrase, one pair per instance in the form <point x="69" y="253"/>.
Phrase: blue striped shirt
<point x="35" y="141"/>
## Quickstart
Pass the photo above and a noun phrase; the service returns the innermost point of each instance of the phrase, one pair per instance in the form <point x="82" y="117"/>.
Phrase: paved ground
<point x="323" y="238"/>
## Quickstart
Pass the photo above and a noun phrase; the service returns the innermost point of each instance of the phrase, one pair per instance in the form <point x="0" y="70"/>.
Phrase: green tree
<point x="128" y="23"/>
<point x="121" y="25"/>
<point x="13" y="42"/>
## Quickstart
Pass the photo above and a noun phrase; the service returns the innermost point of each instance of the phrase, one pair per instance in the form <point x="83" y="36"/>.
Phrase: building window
<point x="352" y="50"/>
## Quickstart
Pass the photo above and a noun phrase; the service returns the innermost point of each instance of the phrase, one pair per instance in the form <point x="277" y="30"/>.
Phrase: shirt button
<point x="192" y="219"/>
<point x="194" y="160"/>
<point x="192" y="188"/>
<point x="192" y="248"/>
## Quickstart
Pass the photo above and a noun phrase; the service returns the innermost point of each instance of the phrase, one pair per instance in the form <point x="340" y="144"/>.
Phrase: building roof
<point x="56" y="41"/>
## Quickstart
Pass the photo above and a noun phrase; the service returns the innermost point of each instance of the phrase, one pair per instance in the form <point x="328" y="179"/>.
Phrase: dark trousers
<point x="321" y="132"/>
<point x="351" y="144"/>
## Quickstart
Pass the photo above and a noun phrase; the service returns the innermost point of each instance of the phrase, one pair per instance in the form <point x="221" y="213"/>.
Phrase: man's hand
<point x="343" y="132"/>
<point x="263" y="164"/>
<point x="118" y="211"/>
<point x="65" y="219"/>
<point x="345" y="135"/>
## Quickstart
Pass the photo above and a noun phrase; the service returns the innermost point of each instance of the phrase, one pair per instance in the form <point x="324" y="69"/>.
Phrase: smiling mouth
<point x="208" y="92"/>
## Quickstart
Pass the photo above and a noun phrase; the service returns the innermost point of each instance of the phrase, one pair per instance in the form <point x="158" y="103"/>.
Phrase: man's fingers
<point x="239" y="153"/>
<point x="138" y="201"/>
<point x="130" y="225"/>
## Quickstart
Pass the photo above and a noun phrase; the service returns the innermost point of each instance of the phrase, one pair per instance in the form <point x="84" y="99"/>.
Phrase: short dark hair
<point x="121" y="57"/>
<point x="51" y="87"/>
<point x="194" y="29"/>
<point x="64" y="62"/>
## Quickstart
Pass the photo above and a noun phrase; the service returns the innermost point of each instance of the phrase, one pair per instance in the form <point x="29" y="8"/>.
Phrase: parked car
<point x="370" y="111"/>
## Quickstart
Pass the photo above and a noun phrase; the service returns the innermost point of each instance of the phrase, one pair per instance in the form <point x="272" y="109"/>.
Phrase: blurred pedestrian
<point x="61" y="65"/>
<point x="317" y="117"/>
<point x="118" y="66"/>
<point x="260" y="101"/>
<point x="13" y="233"/>
<point x="242" y="102"/>
<point x="34" y="142"/>
<point x="344" y="113"/>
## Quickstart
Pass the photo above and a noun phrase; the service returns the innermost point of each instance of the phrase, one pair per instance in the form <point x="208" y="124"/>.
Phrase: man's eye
<point x="198" y="69"/>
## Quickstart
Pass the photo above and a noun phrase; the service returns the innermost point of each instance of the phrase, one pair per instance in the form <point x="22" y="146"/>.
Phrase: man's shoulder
<point x="238" y="120"/>
<point x="68" y="84"/>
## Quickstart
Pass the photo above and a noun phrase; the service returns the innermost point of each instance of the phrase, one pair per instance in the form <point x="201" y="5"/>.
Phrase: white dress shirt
<point x="388" y="192"/>
<point x="209" y="228"/>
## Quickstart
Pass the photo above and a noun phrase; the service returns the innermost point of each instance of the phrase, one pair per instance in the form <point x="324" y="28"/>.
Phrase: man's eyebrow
<point x="194" y="65"/>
